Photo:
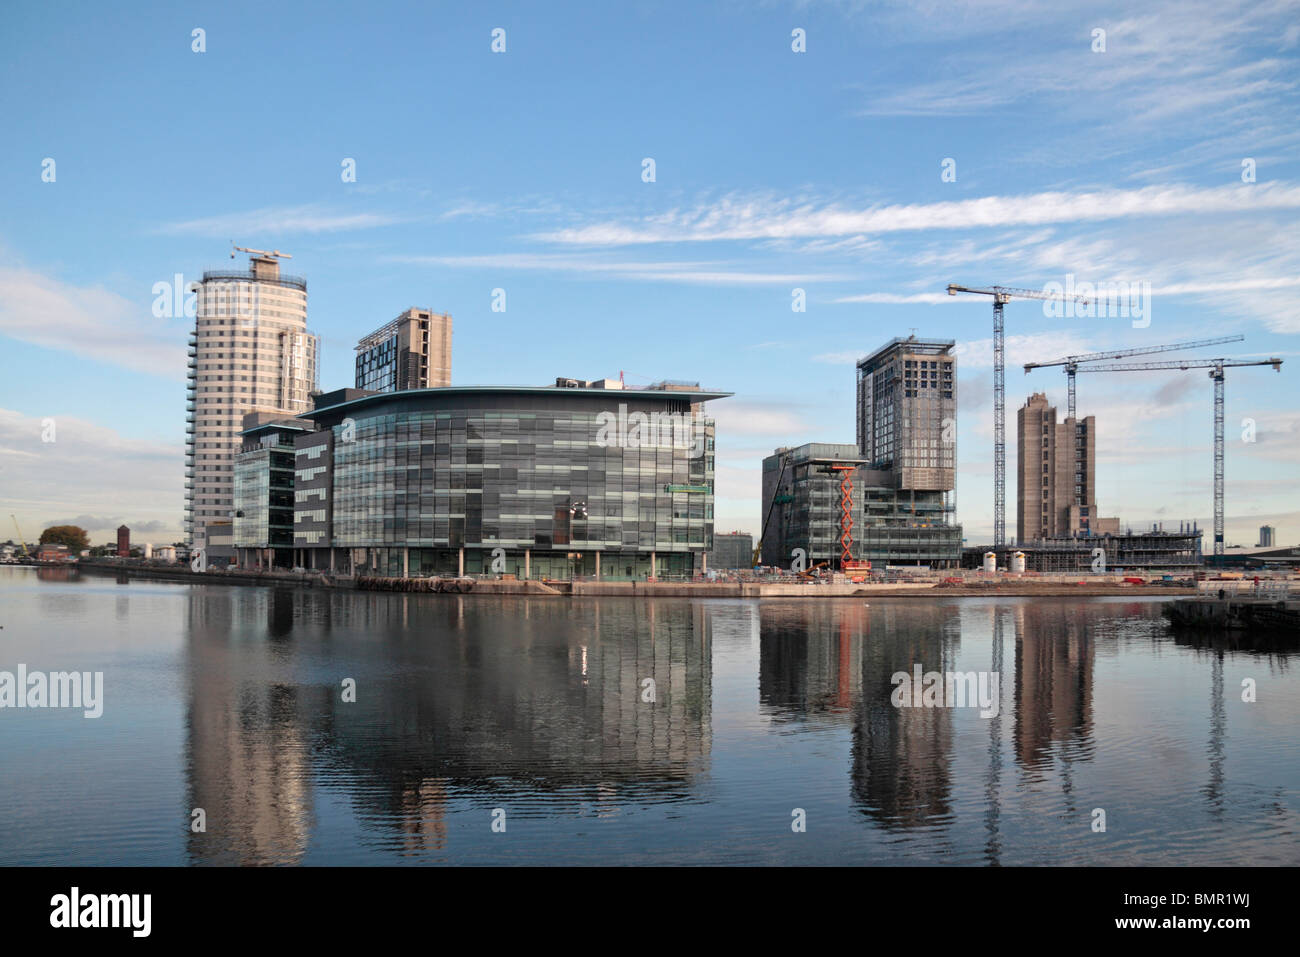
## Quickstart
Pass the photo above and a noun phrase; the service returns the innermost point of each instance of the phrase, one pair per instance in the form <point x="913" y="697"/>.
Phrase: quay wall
<point x="1009" y="587"/>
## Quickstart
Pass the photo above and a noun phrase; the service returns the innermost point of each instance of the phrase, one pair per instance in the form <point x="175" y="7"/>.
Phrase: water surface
<point x="534" y="712"/>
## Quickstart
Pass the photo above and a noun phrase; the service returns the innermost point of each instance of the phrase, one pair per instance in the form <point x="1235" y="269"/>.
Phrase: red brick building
<point x="123" y="542"/>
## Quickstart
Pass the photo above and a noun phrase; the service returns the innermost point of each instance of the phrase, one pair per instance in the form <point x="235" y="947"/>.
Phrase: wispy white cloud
<point x="707" y="273"/>
<point x="1243" y="266"/>
<point x="90" y="322"/>
<point x="1212" y="59"/>
<point x="280" y="220"/>
<point x="1228" y="285"/>
<point x="773" y="217"/>
<point x="896" y="298"/>
<point x="477" y="209"/>
<point x="1019" y="349"/>
<point x="103" y="477"/>
<point x="840" y="358"/>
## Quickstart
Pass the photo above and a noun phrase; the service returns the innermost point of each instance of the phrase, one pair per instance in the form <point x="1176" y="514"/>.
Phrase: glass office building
<point x="540" y="482"/>
<point x="263" y="520"/>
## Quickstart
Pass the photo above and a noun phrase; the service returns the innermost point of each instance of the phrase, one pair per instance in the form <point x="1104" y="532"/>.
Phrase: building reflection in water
<point x="834" y="660"/>
<point x="248" y="731"/>
<point x="810" y="658"/>
<point x="486" y="702"/>
<point x="902" y="757"/>
<point x="993" y="781"/>
<point x="1055" y="658"/>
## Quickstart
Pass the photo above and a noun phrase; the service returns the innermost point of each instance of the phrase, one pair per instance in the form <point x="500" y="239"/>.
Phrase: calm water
<point x="230" y="699"/>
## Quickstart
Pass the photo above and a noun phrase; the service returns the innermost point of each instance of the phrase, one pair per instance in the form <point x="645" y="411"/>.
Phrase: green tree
<point x="75" y="538"/>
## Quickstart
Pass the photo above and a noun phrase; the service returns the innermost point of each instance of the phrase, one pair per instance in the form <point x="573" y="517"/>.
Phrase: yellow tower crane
<point x="27" y="552"/>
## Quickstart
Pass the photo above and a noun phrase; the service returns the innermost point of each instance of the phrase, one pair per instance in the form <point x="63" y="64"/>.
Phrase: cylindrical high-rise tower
<point x="250" y="351"/>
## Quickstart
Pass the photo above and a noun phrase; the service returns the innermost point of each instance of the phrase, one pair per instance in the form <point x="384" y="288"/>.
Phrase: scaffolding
<point x="821" y="498"/>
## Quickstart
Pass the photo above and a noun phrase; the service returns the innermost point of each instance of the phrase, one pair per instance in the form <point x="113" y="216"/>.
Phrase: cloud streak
<point x="768" y="217"/>
<point x="278" y="221"/>
<point x="704" y="273"/>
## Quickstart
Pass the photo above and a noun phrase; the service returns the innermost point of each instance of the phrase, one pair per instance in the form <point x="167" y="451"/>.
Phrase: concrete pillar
<point x="528" y="563"/>
<point x="597" y="565"/>
<point x="653" y="564"/>
<point x="406" y="563"/>
<point x="331" y="558"/>
<point x="704" y="563"/>
<point x="460" y="563"/>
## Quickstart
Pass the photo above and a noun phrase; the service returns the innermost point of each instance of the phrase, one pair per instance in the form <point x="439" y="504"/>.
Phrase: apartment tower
<point x="1056" y="493"/>
<point x="411" y="352"/>
<point x="250" y="351"/>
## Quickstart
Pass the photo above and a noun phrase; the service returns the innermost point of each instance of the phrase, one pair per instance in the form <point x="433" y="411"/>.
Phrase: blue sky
<point x="774" y="170"/>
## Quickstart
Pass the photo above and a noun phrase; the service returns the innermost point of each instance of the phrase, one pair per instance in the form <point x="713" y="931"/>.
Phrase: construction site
<point x="1058" y="523"/>
<point x="888" y="501"/>
<point x="1129" y="551"/>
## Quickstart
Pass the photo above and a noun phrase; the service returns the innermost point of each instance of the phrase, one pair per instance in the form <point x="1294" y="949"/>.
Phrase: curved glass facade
<point x="540" y="480"/>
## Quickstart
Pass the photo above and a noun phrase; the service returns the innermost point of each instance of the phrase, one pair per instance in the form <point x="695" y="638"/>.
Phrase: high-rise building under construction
<point x="411" y="352"/>
<point x="907" y="412"/>
<point x="887" y="500"/>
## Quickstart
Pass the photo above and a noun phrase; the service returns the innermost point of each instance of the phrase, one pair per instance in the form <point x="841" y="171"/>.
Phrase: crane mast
<point x="1002" y="295"/>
